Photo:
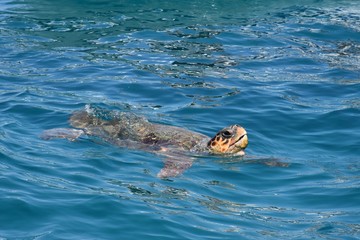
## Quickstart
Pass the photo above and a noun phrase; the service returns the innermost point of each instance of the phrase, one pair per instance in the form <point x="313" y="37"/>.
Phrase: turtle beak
<point x="241" y="139"/>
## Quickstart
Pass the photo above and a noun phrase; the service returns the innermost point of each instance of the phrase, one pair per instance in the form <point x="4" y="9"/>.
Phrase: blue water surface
<point x="288" y="71"/>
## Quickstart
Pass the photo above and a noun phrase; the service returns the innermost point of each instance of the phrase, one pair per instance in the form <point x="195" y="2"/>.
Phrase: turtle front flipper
<point x="268" y="161"/>
<point x="67" y="133"/>
<point x="174" y="167"/>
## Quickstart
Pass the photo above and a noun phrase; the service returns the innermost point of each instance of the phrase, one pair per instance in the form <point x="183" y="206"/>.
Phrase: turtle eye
<point x="226" y="134"/>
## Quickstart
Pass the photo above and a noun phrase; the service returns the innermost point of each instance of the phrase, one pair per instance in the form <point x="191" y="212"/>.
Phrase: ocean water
<point x="288" y="71"/>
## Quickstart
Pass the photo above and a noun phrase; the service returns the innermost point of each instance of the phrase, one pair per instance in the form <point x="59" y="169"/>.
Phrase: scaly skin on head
<point x="230" y="140"/>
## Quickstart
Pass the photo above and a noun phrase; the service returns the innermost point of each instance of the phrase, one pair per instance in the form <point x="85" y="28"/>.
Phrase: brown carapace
<point x="231" y="140"/>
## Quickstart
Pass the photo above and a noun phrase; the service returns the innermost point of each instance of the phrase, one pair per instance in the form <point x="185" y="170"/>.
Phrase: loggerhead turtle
<point x="136" y="132"/>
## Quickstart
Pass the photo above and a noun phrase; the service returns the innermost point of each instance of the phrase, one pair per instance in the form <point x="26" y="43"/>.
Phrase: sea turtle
<point x="126" y="129"/>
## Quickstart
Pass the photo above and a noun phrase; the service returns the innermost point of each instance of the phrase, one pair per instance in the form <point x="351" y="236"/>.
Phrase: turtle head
<point x="230" y="140"/>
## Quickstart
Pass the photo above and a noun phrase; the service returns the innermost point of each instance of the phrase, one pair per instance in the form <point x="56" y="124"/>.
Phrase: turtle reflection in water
<point x="136" y="132"/>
